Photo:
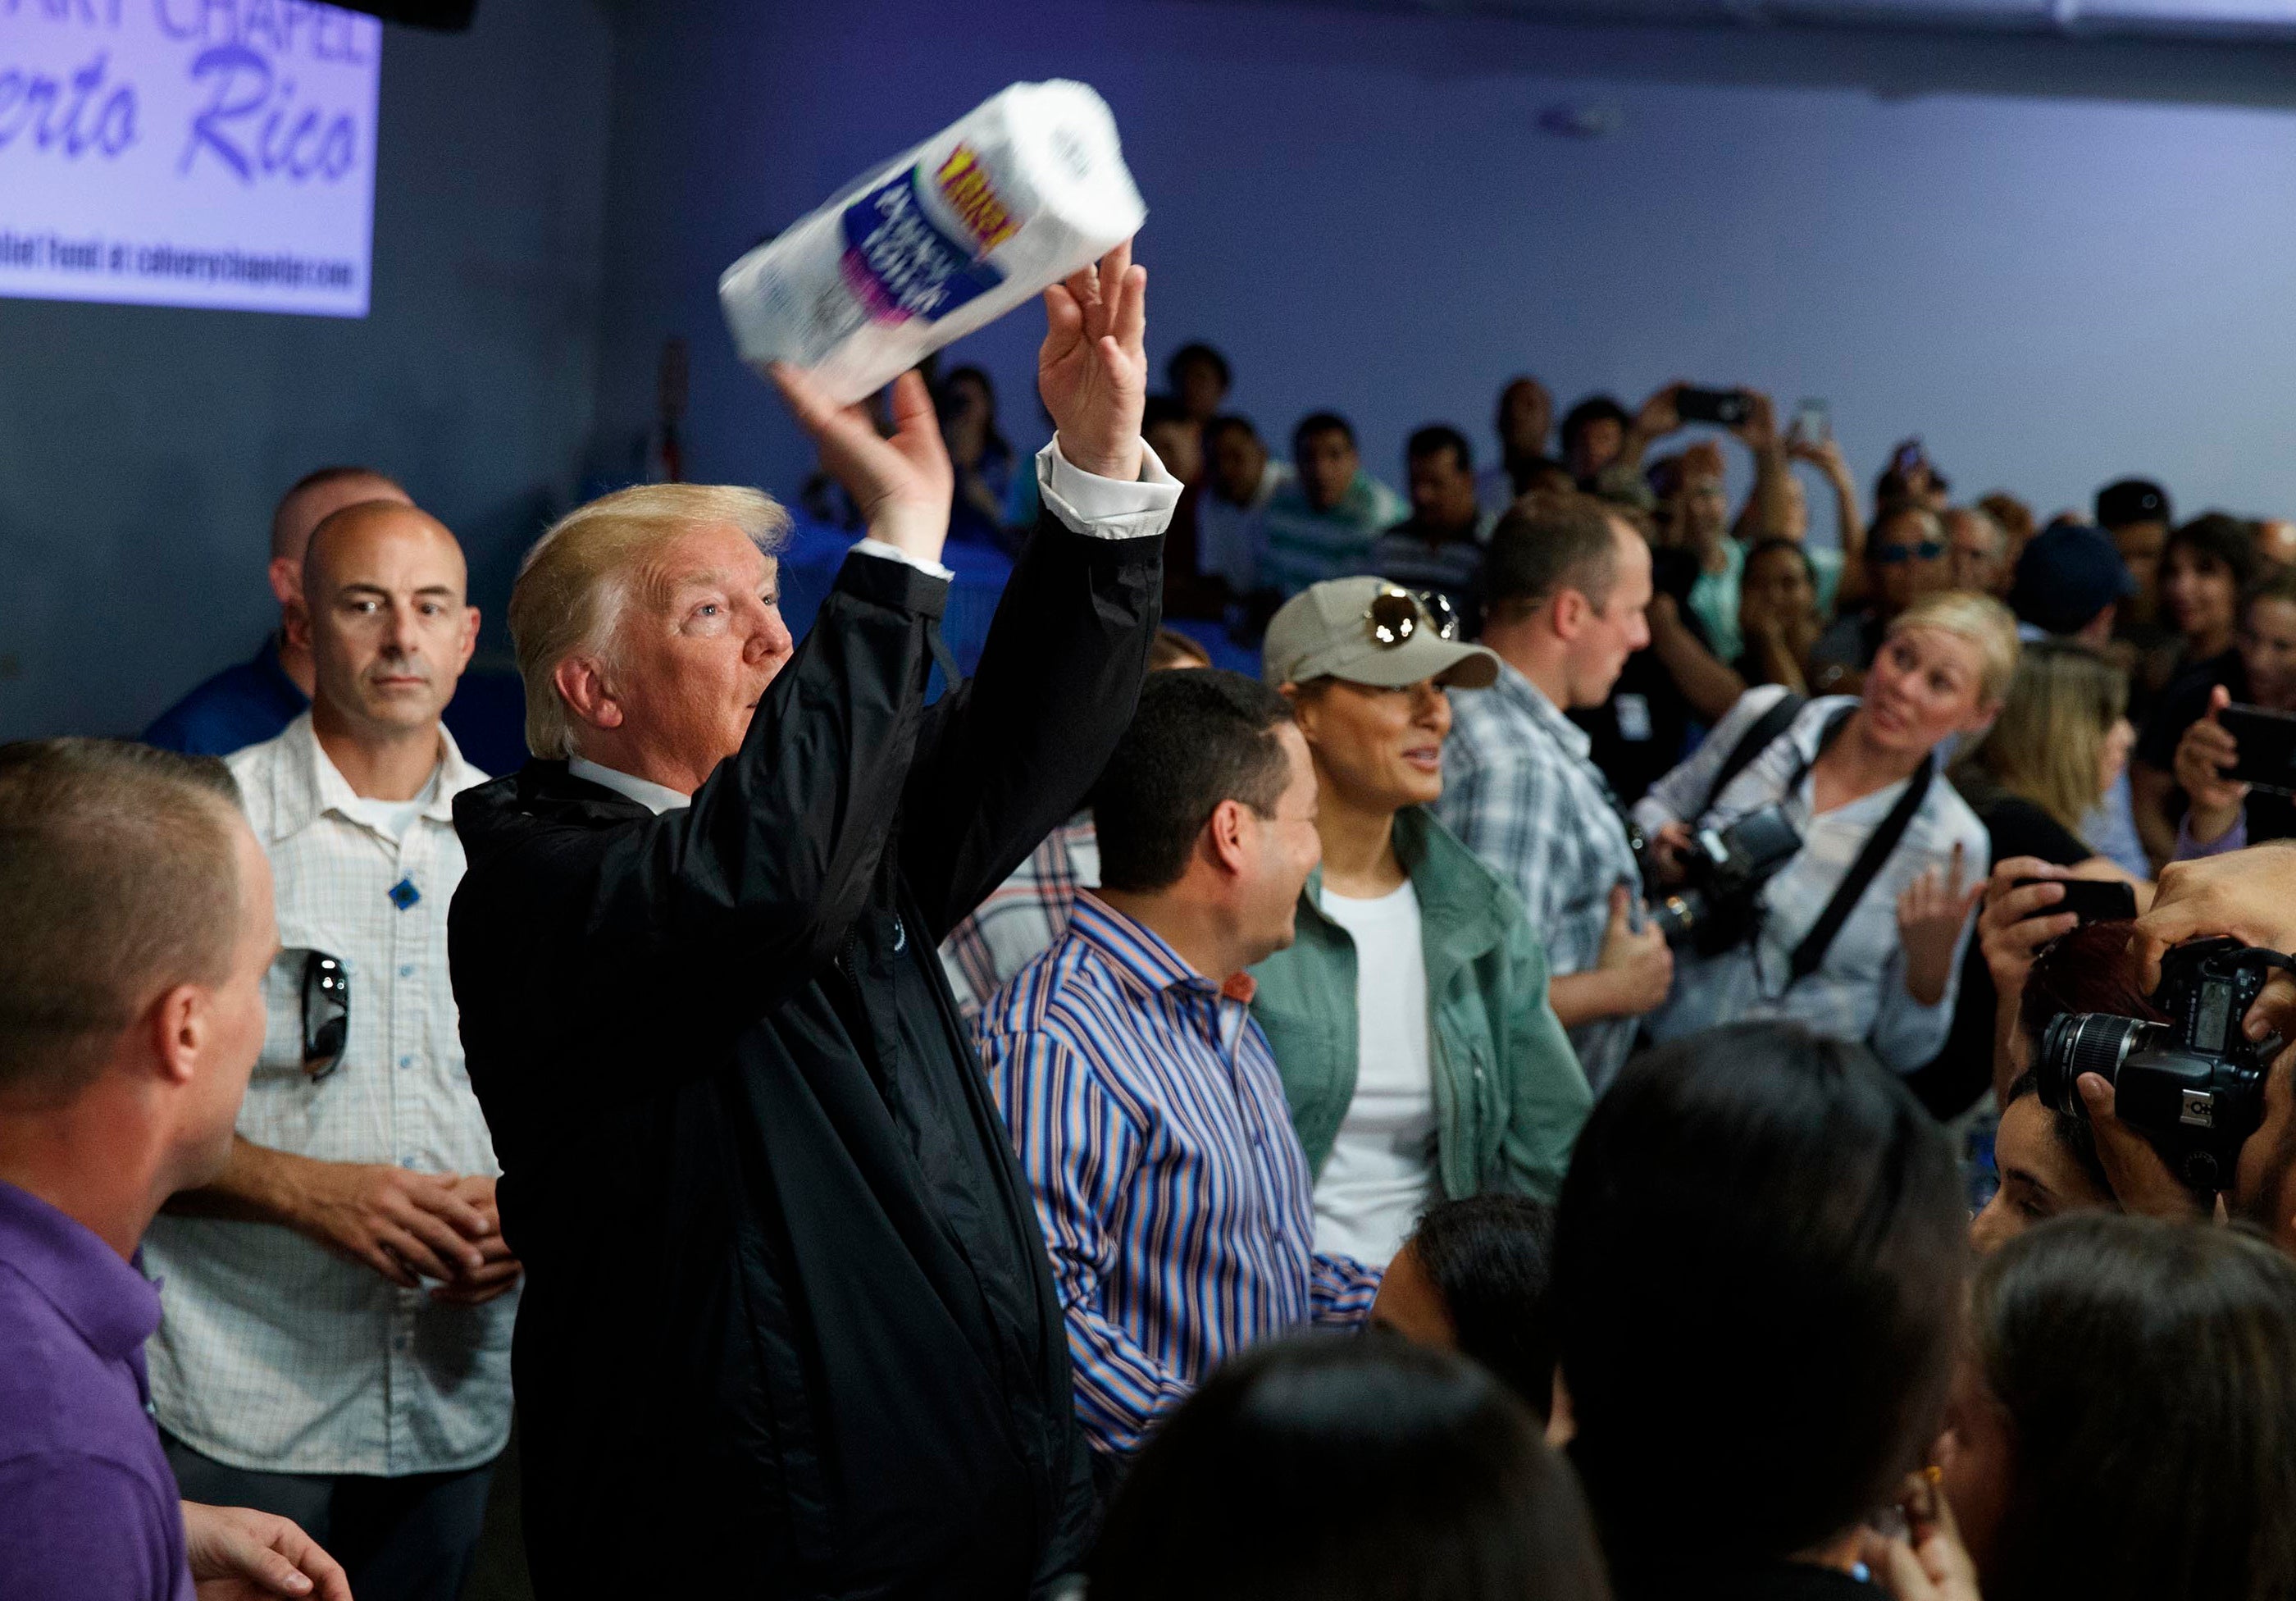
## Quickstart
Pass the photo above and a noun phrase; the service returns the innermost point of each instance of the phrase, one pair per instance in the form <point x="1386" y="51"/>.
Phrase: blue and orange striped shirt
<point x="1176" y="1200"/>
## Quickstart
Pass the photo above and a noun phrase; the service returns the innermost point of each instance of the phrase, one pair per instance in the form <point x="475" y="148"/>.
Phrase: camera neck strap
<point x="1810" y="953"/>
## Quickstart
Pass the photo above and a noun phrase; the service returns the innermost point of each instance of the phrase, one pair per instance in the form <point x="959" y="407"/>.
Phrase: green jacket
<point x="1509" y="1094"/>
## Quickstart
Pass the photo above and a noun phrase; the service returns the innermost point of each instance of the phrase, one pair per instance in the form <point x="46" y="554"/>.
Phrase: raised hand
<point x="1759" y="431"/>
<point x="1823" y="454"/>
<point x="1930" y="915"/>
<point x="902" y="486"/>
<point x="2203" y="755"/>
<point x="1661" y="415"/>
<point x="2016" y="922"/>
<point x="1092" y="368"/>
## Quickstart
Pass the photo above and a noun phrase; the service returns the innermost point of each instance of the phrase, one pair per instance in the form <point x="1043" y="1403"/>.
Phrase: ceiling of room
<point x="2272" y="20"/>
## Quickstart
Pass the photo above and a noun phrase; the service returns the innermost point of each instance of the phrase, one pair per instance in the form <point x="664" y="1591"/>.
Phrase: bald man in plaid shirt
<point x="337" y="1312"/>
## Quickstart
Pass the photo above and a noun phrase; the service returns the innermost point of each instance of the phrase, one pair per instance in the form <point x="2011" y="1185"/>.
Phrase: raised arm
<point x="1009" y="757"/>
<point x="1768" y="511"/>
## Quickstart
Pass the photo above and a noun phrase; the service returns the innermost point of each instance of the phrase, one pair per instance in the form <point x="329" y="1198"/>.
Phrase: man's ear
<point x="581" y="683"/>
<point x="469" y="638"/>
<point x="1569" y="614"/>
<point x="295" y="619"/>
<point x="179" y="1024"/>
<point x="286" y="575"/>
<point x="1228" y="836"/>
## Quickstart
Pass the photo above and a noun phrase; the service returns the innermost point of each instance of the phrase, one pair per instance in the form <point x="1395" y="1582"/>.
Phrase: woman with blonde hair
<point x="1857" y="927"/>
<point x="2063" y="738"/>
<point x="2061" y="741"/>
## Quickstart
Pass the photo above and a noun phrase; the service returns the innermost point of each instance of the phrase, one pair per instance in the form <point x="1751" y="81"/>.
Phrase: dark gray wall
<point x="141" y="449"/>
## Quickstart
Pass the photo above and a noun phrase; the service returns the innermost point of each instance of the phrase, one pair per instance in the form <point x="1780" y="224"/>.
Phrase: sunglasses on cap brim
<point x="1397" y="615"/>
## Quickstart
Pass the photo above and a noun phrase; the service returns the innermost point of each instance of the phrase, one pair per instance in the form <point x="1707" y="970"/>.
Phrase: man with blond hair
<point x="789" y="1328"/>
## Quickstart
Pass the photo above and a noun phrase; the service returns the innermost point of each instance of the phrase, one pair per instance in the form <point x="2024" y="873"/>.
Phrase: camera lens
<point x="2086" y="1042"/>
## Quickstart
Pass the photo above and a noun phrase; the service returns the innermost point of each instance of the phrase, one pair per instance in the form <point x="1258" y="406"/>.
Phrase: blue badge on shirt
<point x="404" y="894"/>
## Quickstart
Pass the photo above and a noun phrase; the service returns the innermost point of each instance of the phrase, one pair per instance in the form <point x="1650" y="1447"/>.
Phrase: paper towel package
<point x="984" y="215"/>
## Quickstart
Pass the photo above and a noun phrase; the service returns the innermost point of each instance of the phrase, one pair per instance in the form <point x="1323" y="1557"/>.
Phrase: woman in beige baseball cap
<point x="1409" y="1019"/>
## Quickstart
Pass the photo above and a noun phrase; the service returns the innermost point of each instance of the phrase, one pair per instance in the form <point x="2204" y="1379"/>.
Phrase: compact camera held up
<point x="1716" y="910"/>
<point x="2192" y="1086"/>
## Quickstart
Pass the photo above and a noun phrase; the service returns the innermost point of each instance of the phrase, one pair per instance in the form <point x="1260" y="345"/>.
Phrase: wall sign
<point x="188" y="152"/>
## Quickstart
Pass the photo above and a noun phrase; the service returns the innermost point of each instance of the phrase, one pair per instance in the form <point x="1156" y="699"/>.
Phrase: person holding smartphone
<point x="2034" y="781"/>
<point x="2222" y="813"/>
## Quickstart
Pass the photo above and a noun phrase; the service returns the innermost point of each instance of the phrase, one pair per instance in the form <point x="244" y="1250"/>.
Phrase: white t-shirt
<point x="1382" y="1164"/>
<point x="391" y="818"/>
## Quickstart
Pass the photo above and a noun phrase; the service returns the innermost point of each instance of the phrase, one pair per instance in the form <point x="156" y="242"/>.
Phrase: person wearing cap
<point x="1565" y="588"/>
<point x="1141" y="1096"/>
<point x="1409" y="1016"/>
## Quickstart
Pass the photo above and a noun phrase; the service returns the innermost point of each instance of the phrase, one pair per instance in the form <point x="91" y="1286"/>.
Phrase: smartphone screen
<point x="2267" y="747"/>
<point x="1812" y="422"/>
<point x="2092" y="900"/>
<point x="1729" y="408"/>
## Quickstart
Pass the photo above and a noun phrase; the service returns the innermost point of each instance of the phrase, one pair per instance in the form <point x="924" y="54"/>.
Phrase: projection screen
<point x="188" y="152"/>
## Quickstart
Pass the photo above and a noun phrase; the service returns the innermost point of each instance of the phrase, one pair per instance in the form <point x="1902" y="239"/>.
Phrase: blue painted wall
<point x="2060" y="262"/>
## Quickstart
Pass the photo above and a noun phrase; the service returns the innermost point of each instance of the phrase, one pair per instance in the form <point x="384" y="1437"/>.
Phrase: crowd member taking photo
<point x="2222" y="814"/>
<point x="2034" y="781"/>
<point x="1409" y="1017"/>
<point x="1859" y="934"/>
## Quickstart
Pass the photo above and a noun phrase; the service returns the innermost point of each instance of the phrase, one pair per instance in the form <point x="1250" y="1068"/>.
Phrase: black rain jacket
<point x="789" y="1328"/>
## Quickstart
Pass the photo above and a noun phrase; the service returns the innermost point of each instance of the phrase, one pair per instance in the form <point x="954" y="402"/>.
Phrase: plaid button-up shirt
<point x="274" y="1353"/>
<point x="1022" y="915"/>
<point x="1176" y="1200"/>
<point x="1519" y="789"/>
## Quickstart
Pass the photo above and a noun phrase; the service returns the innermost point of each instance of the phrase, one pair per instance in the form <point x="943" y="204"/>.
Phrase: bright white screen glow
<point x="188" y="152"/>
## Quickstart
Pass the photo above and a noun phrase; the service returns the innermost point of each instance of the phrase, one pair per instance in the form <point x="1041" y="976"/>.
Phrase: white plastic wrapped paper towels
<point x="984" y="215"/>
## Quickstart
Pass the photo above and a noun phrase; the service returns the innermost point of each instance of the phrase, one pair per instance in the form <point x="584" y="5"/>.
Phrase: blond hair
<point x="2047" y="746"/>
<point x="1981" y="620"/>
<point x="574" y="584"/>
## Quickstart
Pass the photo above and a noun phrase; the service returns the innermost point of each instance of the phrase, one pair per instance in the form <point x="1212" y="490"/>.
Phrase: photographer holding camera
<point x="2205" y="1101"/>
<point x="1825" y="867"/>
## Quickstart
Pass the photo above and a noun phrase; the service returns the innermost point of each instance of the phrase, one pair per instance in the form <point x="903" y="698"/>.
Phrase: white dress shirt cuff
<point x="1104" y="507"/>
<point x="894" y="553"/>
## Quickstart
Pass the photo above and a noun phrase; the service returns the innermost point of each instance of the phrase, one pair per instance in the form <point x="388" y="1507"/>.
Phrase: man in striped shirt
<point x="1143" y="1099"/>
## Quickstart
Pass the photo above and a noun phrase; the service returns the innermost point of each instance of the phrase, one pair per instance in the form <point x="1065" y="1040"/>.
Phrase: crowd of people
<point x="1560" y="1084"/>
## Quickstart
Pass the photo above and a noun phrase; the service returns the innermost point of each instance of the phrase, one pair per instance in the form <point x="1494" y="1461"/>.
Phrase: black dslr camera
<point x="2192" y="1086"/>
<point x="1727" y="868"/>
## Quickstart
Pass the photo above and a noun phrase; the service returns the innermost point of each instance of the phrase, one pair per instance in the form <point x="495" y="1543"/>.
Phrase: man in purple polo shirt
<point x="140" y="927"/>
